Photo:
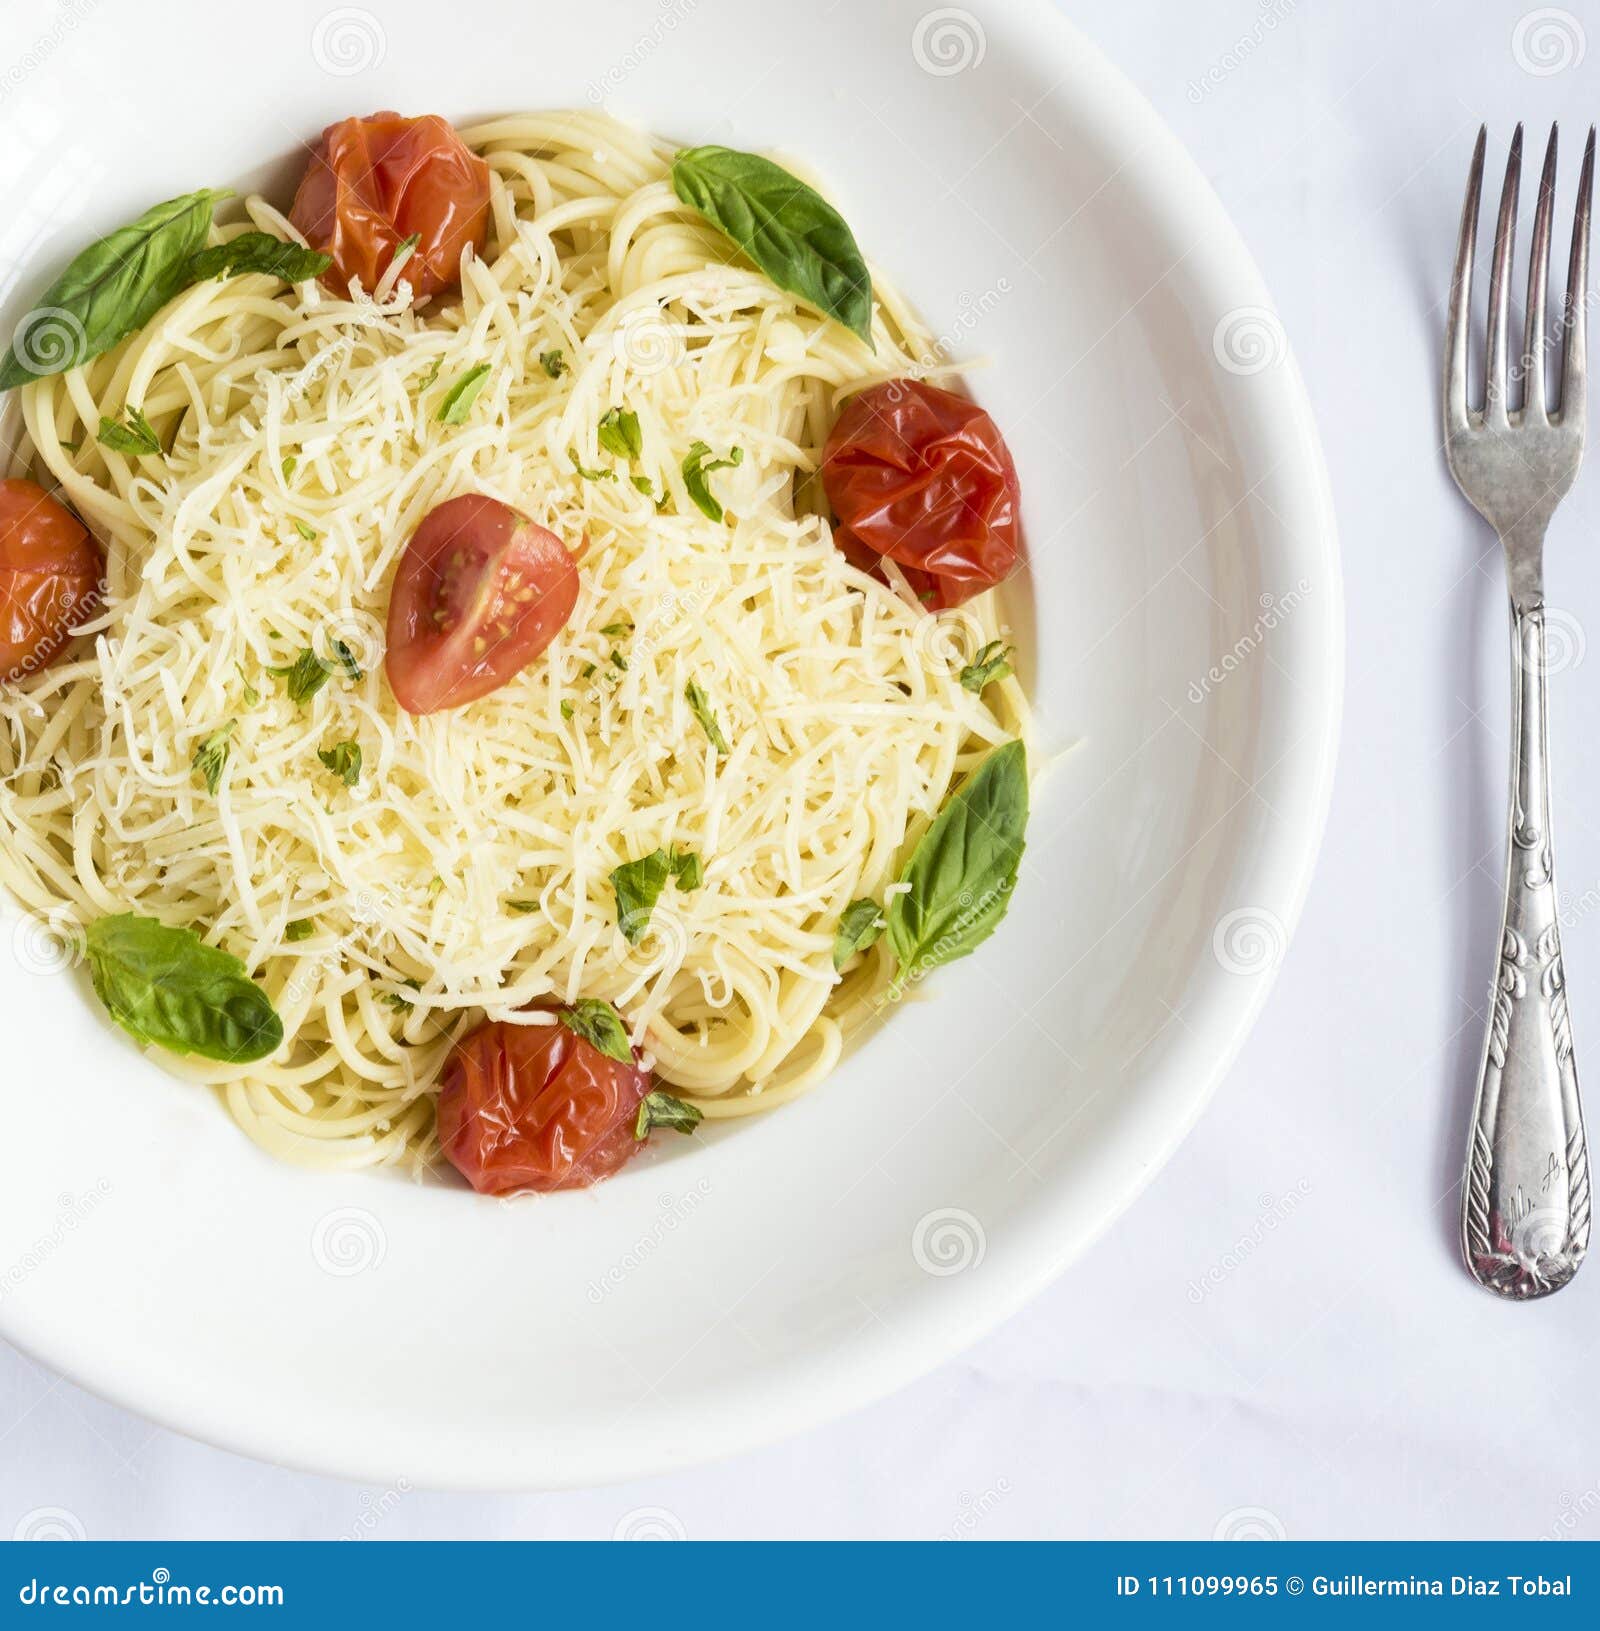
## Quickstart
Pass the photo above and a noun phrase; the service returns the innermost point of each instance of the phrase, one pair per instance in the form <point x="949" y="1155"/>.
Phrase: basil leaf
<point x="643" y="484"/>
<point x="638" y="885"/>
<point x="347" y="660"/>
<point x="600" y="1025"/>
<point x="616" y="630"/>
<point x="697" y="466"/>
<point x="259" y="252"/>
<point x="700" y="707"/>
<point x="309" y="533"/>
<point x="344" y="760"/>
<point x="431" y="375"/>
<point x="459" y="398"/>
<point x="992" y="663"/>
<point x="618" y="661"/>
<point x="301" y="929"/>
<point x="167" y="987"/>
<point x="962" y="873"/>
<point x="659" y="1109"/>
<point x="566" y="709"/>
<point x="403" y="251"/>
<point x="304" y="677"/>
<point x="523" y="907"/>
<point x="587" y="474"/>
<point x="136" y="438"/>
<point x="289" y="462"/>
<point x="788" y="229"/>
<point x="859" y="927"/>
<point x="687" y="873"/>
<point x="552" y="363"/>
<point x="109" y="289"/>
<point x="619" y="433"/>
<point x="212" y="755"/>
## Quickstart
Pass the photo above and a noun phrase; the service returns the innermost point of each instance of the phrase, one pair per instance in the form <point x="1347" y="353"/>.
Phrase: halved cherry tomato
<point x="373" y="182"/>
<point x="536" y="1107"/>
<point x="480" y="592"/>
<point x="924" y="477"/>
<point x="50" y="578"/>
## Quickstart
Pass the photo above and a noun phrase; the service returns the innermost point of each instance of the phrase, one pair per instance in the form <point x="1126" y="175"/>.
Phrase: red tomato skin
<point x="51" y="578"/>
<point x="476" y="572"/>
<point x="924" y="478"/>
<point x="535" y="1107"/>
<point x="373" y="182"/>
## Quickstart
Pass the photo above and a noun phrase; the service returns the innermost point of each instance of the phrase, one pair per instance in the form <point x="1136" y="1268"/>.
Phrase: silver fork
<point x="1525" y="1191"/>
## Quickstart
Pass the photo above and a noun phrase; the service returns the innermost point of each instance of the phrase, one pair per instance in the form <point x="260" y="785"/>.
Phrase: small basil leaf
<point x="859" y="927"/>
<point x="304" y="677"/>
<point x="697" y="466"/>
<point x="619" y="433"/>
<point x="302" y="928"/>
<point x="585" y="472"/>
<point x="992" y="663"/>
<point x="109" y="289"/>
<point x="459" y="398"/>
<point x="638" y="885"/>
<point x="344" y="760"/>
<point x="212" y="756"/>
<point x="660" y="1109"/>
<point x="306" y="531"/>
<point x="687" y="872"/>
<point x="962" y="872"/>
<point x="136" y="438"/>
<point x="259" y="252"/>
<point x="346" y="659"/>
<point x="787" y="228"/>
<point x="552" y="363"/>
<point x="600" y="1025"/>
<point x="700" y="707"/>
<point x="166" y="986"/>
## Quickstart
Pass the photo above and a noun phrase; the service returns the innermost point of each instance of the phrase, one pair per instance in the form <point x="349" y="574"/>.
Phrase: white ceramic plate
<point x="1185" y="634"/>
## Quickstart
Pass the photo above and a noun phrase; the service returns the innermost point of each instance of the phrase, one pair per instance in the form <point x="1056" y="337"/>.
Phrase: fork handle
<point x="1525" y="1193"/>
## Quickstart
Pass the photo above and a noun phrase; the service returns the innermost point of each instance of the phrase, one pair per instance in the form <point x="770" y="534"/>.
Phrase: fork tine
<point x="1574" y="371"/>
<point x="1495" y="402"/>
<point x="1538" y="284"/>
<point x="1458" y="328"/>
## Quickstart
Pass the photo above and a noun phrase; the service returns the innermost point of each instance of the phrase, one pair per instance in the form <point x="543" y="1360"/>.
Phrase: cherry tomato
<point x="373" y="182"/>
<point x="923" y="477"/>
<point x="50" y="578"/>
<point x="536" y="1107"/>
<point x="480" y="592"/>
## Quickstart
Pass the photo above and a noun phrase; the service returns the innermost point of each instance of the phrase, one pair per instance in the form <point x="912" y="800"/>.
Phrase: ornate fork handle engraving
<point x="1525" y="1200"/>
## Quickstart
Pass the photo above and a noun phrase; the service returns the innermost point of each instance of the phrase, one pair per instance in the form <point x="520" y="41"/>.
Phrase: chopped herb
<point x="301" y="929"/>
<point x="435" y="887"/>
<point x="584" y="471"/>
<point x="992" y="663"/>
<point x="618" y="661"/>
<point x="701" y="709"/>
<point x="697" y="466"/>
<point x="404" y="250"/>
<point x="586" y="672"/>
<point x="136" y="438"/>
<point x="289" y="463"/>
<point x="71" y="447"/>
<point x="459" y="398"/>
<point x="600" y="1025"/>
<point x="308" y="533"/>
<point x="687" y="873"/>
<point x="251" y="695"/>
<point x="431" y="375"/>
<point x="344" y="760"/>
<point x="566" y="709"/>
<point x="347" y="660"/>
<point x="863" y="921"/>
<point x="619" y="433"/>
<point x="304" y="677"/>
<point x="660" y="1109"/>
<point x="643" y="484"/>
<point x="212" y="755"/>
<point x="523" y="906"/>
<point x="259" y="252"/>
<point x="638" y="885"/>
<point x="553" y="363"/>
<point x="402" y="1005"/>
<point x="617" y="628"/>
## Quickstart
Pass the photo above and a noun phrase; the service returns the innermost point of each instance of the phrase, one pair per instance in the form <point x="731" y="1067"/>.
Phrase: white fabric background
<point x="1278" y="1338"/>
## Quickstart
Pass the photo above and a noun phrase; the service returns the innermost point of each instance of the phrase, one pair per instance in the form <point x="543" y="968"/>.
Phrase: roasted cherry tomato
<point x="924" y="477"/>
<point x="480" y="592"/>
<point x="50" y="578"/>
<point x="373" y="182"/>
<point x="536" y="1107"/>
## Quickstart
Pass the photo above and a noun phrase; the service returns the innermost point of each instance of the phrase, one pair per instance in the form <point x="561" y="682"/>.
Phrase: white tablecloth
<point x="1278" y="1339"/>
